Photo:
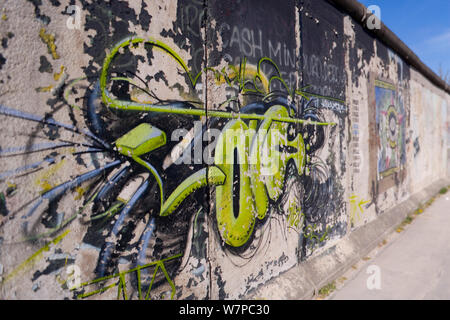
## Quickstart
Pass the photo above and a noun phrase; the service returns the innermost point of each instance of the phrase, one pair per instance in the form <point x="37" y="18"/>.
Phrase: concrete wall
<point x="199" y="202"/>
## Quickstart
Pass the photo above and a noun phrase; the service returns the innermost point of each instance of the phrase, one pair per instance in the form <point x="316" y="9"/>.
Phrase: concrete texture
<point x="305" y="280"/>
<point x="364" y="140"/>
<point x="414" y="266"/>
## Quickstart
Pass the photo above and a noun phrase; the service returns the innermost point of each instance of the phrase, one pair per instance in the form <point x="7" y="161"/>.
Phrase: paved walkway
<point x="413" y="265"/>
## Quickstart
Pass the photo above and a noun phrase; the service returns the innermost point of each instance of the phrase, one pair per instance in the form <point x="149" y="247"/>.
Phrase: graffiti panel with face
<point x="390" y="119"/>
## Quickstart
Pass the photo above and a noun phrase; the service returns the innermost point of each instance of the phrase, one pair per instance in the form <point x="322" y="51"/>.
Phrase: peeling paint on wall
<point x="183" y="143"/>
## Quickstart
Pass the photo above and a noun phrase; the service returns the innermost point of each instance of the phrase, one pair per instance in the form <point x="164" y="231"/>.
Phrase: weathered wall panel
<point x="323" y="72"/>
<point x="260" y="64"/>
<point x="428" y="123"/>
<point x="196" y="149"/>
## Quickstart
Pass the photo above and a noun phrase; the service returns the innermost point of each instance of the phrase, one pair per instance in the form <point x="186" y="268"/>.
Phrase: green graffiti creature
<point x="256" y="146"/>
<point x="259" y="152"/>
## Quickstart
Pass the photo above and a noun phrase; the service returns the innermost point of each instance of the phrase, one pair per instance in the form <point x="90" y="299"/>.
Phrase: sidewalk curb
<point x="305" y="279"/>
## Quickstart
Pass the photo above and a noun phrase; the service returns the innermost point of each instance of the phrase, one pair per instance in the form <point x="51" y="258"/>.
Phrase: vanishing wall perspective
<point x="158" y="149"/>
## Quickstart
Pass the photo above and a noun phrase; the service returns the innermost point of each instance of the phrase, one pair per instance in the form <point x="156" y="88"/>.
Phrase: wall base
<point x="304" y="280"/>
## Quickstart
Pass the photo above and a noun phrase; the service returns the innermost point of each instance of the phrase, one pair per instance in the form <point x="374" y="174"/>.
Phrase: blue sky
<point x="424" y="26"/>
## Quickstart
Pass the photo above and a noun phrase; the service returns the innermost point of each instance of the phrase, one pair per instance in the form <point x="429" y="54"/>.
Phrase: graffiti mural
<point x="168" y="180"/>
<point x="391" y="120"/>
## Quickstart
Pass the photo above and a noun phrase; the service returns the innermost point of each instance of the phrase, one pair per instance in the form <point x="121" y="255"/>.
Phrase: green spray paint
<point x="233" y="152"/>
<point x="262" y="169"/>
<point x="141" y="107"/>
<point x="121" y="283"/>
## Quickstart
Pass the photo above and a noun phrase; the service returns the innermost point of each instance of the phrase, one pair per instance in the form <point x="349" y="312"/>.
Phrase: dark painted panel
<point x="256" y="29"/>
<point x="322" y="49"/>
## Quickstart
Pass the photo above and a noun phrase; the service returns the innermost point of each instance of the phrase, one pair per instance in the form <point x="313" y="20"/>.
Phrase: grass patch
<point x="408" y="220"/>
<point x="326" y="290"/>
<point x="443" y="190"/>
<point x="418" y="211"/>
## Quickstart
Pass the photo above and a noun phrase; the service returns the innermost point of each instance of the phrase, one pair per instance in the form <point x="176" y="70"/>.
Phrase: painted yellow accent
<point x="57" y="76"/>
<point x="356" y="207"/>
<point x="49" y="40"/>
<point x="80" y="192"/>
<point x="44" y="89"/>
<point x="141" y="140"/>
<point x="295" y="215"/>
<point x="249" y="73"/>
<point x="389" y="172"/>
<point x="385" y="85"/>
<point x="11" y="185"/>
<point x="44" y="181"/>
<point x="35" y="256"/>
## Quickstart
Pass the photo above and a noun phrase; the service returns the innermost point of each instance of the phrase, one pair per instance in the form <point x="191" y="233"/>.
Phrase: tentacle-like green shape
<point x="212" y="175"/>
<point x="129" y="41"/>
<point x="235" y="228"/>
<point x="155" y="174"/>
<point x="175" y="108"/>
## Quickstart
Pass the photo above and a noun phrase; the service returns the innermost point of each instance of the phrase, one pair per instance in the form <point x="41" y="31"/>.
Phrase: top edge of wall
<point x="360" y="13"/>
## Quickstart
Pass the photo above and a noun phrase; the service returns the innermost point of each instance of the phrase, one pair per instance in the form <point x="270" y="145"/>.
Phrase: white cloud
<point x="443" y="38"/>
